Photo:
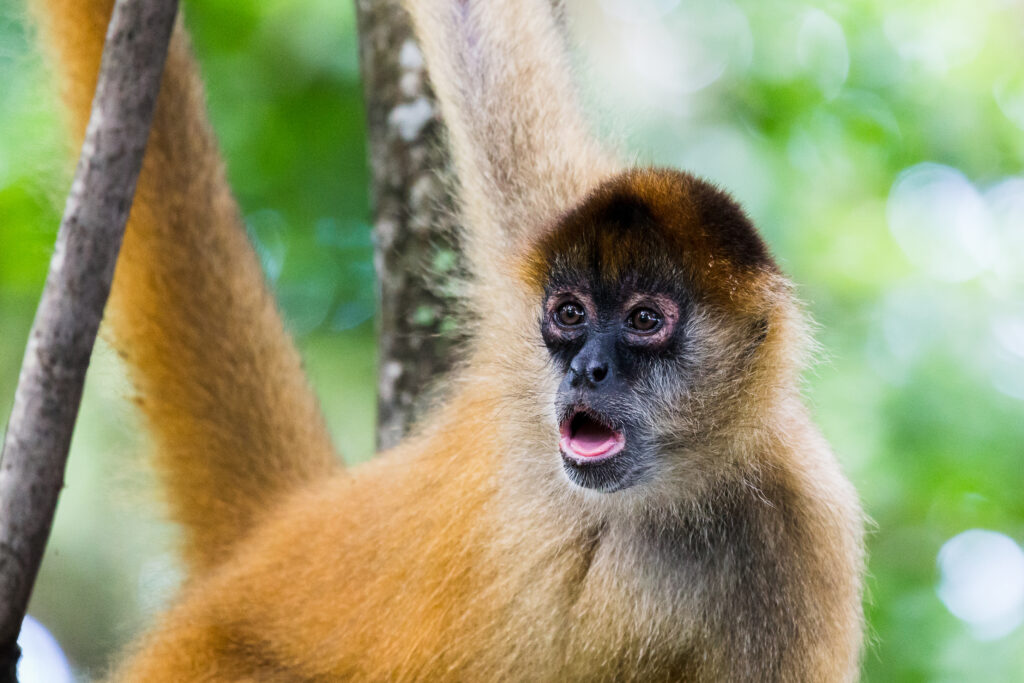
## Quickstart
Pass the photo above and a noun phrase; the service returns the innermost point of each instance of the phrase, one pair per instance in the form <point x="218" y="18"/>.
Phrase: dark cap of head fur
<point x="653" y="223"/>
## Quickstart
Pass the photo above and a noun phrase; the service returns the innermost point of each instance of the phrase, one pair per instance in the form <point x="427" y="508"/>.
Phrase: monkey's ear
<point x="523" y="152"/>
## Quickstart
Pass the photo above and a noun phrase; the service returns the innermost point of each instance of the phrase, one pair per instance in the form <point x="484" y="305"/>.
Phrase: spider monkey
<point x="624" y="483"/>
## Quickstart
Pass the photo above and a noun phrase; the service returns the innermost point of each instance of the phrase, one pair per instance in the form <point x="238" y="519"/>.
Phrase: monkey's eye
<point x="644" y="320"/>
<point x="570" y="314"/>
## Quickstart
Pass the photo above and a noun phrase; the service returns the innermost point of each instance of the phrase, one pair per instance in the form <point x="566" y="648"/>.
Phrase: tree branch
<point x="417" y="258"/>
<point x="53" y="371"/>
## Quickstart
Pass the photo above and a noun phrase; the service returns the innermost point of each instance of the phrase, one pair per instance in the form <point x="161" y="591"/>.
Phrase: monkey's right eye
<point x="570" y="314"/>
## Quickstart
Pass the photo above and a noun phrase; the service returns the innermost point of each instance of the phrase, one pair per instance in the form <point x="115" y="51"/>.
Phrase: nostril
<point x="598" y="372"/>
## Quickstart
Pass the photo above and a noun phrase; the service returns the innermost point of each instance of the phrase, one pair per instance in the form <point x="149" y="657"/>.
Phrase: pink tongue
<point x="592" y="439"/>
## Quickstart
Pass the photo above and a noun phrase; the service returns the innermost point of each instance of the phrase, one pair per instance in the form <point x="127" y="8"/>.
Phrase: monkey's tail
<point x="221" y="387"/>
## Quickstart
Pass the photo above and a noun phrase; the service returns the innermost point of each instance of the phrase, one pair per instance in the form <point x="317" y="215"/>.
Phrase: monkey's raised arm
<point x="522" y="150"/>
<point x="220" y="385"/>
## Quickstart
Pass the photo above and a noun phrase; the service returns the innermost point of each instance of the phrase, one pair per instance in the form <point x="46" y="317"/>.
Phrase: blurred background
<point x="879" y="146"/>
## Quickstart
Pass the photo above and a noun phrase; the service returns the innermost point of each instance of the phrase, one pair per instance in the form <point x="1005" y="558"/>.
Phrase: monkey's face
<point x="653" y="311"/>
<point x="608" y="343"/>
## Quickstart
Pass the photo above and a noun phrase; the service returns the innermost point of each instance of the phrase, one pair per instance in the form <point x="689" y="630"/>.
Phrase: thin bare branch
<point x="57" y="356"/>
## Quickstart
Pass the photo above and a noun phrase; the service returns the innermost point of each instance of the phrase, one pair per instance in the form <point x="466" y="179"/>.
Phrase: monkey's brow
<point x="581" y="279"/>
<point x="562" y="279"/>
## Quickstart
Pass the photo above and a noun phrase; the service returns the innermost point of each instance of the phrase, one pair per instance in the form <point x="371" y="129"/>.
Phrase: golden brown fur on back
<point x="466" y="553"/>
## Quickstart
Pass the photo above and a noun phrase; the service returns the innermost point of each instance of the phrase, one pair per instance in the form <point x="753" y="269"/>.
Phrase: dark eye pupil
<point x="645" y="319"/>
<point x="570" y="314"/>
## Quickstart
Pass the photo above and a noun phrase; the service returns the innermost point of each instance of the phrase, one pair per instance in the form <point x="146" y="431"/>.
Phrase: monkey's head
<point x="664" y="318"/>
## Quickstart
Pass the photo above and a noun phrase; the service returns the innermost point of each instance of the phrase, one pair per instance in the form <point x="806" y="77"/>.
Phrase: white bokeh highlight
<point x="658" y="52"/>
<point x="822" y="51"/>
<point x="1005" y="202"/>
<point x="941" y="222"/>
<point x="42" y="660"/>
<point x="982" y="582"/>
<point x="1008" y="92"/>
<point x="939" y="40"/>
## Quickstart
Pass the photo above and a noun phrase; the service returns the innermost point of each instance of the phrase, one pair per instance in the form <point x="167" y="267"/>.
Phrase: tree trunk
<point x="417" y="258"/>
<point x="60" y="343"/>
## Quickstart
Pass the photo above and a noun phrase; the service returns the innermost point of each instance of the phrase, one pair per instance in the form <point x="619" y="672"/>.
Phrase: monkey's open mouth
<point x="585" y="437"/>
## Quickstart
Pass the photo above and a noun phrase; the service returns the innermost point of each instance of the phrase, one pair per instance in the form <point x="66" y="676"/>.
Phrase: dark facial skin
<point x="607" y="340"/>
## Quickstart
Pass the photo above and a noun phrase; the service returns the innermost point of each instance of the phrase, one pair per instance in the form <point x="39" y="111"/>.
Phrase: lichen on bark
<point x="416" y="251"/>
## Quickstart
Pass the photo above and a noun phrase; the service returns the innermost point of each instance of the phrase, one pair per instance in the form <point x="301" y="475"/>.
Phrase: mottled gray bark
<point x="60" y="343"/>
<point x="417" y="258"/>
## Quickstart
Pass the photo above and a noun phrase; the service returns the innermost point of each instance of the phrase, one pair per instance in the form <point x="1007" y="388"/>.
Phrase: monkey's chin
<point x="609" y="474"/>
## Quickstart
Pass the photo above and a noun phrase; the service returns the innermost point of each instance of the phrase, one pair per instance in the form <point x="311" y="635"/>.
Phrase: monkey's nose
<point x="593" y="371"/>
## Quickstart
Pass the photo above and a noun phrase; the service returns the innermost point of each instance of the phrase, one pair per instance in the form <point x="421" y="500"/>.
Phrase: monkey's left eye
<point x="644" y="320"/>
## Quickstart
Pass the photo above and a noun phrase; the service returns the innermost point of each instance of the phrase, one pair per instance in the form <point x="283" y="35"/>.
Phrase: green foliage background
<point x="921" y="387"/>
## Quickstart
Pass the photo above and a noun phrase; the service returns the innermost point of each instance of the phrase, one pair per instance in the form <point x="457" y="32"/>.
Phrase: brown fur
<point x="465" y="554"/>
<point x="722" y="254"/>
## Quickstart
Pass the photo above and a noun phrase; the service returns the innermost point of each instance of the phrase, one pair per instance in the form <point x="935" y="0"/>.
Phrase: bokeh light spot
<point x="267" y="229"/>
<point x="1009" y="93"/>
<point x="42" y="659"/>
<point x="941" y="222"/>
<point x="1008" y="330"/>
<point x="821" y="49"/>
<point x="982" y="581"/>
<point x="1006" y="207"/>
<point x="937" y="40"/>
<point x="675" y="51"/>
